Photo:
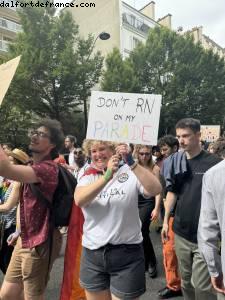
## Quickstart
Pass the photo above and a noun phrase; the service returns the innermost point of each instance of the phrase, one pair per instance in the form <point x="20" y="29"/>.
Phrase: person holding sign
<point x="112" y="263"/>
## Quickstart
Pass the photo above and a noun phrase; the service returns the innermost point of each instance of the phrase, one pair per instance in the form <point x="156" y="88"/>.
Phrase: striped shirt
<point x="10" y="216"/>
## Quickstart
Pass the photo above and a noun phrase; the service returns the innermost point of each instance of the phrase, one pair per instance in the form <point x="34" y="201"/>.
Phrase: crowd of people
<point x="121" y="188"/>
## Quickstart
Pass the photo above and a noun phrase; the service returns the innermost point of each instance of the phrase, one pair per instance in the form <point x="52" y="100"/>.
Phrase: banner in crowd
<point x="7" y="71"/>
<point x="210" y="133"/>
<point x="124" y="117"/>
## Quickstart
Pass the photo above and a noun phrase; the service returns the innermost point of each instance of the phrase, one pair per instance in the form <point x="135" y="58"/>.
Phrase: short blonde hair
<point x="88" y="143"/>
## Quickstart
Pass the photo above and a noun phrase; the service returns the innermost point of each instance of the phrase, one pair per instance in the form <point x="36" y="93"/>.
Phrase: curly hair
<point x="88" y="143"/>
<point x="56" y="134"/>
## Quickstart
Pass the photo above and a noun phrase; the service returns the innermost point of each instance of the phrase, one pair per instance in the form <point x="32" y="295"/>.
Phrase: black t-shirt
<point x="189" y="196"/>
<point x="143" y="202"/>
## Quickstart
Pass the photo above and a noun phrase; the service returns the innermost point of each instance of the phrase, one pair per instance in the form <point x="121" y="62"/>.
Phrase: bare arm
<point x="158" y="198"/>
<point x="148" y="180"/>
<point x="85" y="194"/>
<point x="169" y="203"/>
<point x="16" y="172"/>
<point x="13" y="199"/>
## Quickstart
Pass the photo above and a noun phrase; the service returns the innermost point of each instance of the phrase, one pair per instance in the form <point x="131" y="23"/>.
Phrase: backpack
<point x="63" y="197"/>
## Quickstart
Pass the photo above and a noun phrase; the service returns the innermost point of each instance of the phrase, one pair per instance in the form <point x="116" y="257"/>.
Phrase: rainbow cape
<point x="71" y="289"/>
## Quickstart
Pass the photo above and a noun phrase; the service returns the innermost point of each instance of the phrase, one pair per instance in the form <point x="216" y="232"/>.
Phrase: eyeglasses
<point x="39" y="134"/>
<point x="144" y="153"/>
<point x="78" y="152"/>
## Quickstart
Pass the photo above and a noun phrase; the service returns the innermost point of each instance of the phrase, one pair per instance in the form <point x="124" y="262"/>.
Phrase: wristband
<point x="129" y="159"/>
<point x="108" y="175"/>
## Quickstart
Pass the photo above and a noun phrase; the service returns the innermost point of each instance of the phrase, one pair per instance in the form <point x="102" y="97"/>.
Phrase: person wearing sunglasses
<point x="148" y="208"/>
<point x="28" y="271"/>
<point x="80" y="162"/>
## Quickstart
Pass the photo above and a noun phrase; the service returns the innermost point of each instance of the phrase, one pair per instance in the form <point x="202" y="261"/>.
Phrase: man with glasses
<point x="28" y="271"/>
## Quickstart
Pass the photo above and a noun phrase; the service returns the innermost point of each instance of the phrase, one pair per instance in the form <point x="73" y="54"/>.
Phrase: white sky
<point x="190" y="13"/>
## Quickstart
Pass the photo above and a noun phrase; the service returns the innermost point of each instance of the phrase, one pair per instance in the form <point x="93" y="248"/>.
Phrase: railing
<point x="12" y="26"/>
<point x="133" y="21"/>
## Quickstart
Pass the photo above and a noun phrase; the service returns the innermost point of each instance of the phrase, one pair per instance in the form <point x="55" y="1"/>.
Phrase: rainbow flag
<point x="71" y="289"/>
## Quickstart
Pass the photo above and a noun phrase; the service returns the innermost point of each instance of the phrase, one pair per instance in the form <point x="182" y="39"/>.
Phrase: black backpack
<point x="62" y="202"/>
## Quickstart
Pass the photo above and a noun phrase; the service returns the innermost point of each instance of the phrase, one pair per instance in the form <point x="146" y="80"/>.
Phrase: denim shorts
<point x="119" y="268"/>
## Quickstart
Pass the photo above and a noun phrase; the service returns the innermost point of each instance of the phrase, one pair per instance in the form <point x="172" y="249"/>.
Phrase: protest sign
<point x="124" y="117"/>
<point x="7" y="71"/>
<point x="210" y="133"/>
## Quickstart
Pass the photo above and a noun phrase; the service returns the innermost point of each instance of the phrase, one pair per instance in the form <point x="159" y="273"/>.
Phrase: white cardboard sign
<point x="210" y="133"/>
<point x="7" y="71"/>
<point x="124" y="117"/>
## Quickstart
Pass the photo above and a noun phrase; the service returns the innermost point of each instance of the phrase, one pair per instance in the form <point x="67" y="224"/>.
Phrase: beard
<point x="32" y="150"/>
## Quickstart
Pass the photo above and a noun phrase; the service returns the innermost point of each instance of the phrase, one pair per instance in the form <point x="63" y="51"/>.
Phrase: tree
<point x="190" y="79"/>
<point x="49" y="80"/>
<point x="14" y="126"/>
<point x="119" y="75"/>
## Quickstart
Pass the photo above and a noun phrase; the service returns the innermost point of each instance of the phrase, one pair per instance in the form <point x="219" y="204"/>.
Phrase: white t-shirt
<point x="113" y="216"/>
<point x="71" y="158"/>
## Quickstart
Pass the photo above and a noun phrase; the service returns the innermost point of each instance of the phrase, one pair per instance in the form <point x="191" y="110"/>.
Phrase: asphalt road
<point x="153" y="285"/>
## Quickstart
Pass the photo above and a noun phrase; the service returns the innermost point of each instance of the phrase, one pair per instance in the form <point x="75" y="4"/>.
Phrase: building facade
<point x="9" y="26"/>
<point x="126" y="25"/>
<point x="207" y="43"/>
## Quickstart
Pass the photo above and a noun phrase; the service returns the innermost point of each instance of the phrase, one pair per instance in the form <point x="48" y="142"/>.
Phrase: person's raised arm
<point x="13" y="198"/>
<point x="85" y="194"/>
<point x="169" y="204"/>
<point x="16" y="172"/>
<point x="147" y="179"/>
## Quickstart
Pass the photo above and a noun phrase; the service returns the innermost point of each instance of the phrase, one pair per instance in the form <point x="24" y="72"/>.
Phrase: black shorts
<point x="119" y="268"/>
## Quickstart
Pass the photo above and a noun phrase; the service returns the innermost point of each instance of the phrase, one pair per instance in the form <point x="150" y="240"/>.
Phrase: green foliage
<point x="119" y="75"/>
<point x="14" y="126"/>
<point x="190" y="79"/>
<point x="54" y="76"/>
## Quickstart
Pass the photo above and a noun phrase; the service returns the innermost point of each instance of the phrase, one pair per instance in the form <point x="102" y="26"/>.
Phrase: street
<point x="153" y="285"/>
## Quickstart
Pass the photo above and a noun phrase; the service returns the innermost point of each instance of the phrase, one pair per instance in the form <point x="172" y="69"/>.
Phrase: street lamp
<point x="102" y="36"/>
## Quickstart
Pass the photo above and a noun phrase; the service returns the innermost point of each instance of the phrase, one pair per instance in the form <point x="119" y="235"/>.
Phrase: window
<point x="135" y="42"/>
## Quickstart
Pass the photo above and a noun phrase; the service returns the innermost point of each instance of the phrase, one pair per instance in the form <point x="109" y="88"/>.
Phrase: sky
<point x="191" y="13"/>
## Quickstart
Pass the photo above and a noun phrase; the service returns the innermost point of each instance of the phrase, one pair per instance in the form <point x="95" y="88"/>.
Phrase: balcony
<point x="4" y="46"/>
<point x="9" y="25"/>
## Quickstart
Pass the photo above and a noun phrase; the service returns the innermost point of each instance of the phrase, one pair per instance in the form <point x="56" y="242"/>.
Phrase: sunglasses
<point x="78" y="152"/>
<point x="144" y="153"/>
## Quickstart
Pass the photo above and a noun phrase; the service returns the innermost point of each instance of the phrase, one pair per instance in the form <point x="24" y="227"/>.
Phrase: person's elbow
<point x="78" y="198"/>
<point x="154" y="189"/>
